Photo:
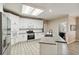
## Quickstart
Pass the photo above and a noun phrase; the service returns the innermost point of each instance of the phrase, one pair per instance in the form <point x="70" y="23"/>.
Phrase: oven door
<point x="31" y="37"/>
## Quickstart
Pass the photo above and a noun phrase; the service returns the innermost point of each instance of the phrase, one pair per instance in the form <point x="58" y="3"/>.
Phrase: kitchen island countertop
<point x="51" y="40"/>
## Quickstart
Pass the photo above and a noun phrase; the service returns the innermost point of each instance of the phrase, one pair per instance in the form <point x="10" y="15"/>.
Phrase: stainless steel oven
<point x="30" y="35"/>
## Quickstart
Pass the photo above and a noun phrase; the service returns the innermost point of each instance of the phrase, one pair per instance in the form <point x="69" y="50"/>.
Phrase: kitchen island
<point x="53" y="46"/>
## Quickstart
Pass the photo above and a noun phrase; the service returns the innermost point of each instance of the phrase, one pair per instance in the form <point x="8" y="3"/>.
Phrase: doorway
<point x="63" y="30"/>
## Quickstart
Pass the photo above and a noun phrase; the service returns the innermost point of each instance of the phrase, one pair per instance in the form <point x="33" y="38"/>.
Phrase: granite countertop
<point x="51" y="40"/>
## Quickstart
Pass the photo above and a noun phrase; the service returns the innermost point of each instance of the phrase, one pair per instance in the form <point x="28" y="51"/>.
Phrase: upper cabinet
<point x="14" y="24"/>
<point x="31" y="23"/>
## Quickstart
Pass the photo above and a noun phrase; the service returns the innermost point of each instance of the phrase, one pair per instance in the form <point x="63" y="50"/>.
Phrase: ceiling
<point x="58" y="9"/>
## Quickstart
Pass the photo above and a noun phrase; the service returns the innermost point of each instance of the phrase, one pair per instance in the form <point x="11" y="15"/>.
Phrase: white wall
<point x="46" y="26"/>
<point x="63" y="27"/>
<point x="54" y="25"/>
<point x="1" y="7"/>
<point x="71" y="35"/>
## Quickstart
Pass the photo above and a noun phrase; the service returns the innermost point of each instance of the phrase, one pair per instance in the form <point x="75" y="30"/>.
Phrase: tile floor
<point x="32" y="48"/>
<point x="26" y="48"/>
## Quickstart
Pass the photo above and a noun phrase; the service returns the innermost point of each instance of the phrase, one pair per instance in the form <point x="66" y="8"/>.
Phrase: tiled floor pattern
<point x="32" y="48"/>
<point x="26" y="48"/>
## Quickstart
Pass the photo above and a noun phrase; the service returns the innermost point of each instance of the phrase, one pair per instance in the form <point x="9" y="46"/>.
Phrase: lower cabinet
<point x="58" y="49"/>
<point x="23" y="37"/>
<point x="48" y="49"/>
<point x="7" y="51"/>
<point x="12" y="41"/>
<point x="38" y="35"/>
<point x="20" y="38"/>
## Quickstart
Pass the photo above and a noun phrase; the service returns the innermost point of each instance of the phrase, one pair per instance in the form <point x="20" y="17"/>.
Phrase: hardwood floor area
<point x="32" y="48"/>
<point x="74" y="48"/>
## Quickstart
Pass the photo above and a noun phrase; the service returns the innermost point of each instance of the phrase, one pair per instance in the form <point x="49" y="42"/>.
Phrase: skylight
<point x="30" y="10"/>
<point x="27" y="9"/>
<point x="37" y="12"/>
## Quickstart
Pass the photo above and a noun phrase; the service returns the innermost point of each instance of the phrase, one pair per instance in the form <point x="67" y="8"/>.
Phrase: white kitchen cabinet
<point x="22" y="37"/>
<point x="12" y="41"/>
<point x="53" y="46"/>
<point x="30" y="23"/>
<point x="7" y="51"/>
<point x="38" y="35"/>
<point x="14" y="27"/>
<point x="48" y="46"/>
<point x="48" y="49"/>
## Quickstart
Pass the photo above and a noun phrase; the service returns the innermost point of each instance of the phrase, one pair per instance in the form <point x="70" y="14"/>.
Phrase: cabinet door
<point x="12" y="41"/>
<point x="41" y="35"/>
<point x="22" y="38"/>
<point x="8" y="51"/>
<point x="48" y="49"/>
<point x="38" y="35"/>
